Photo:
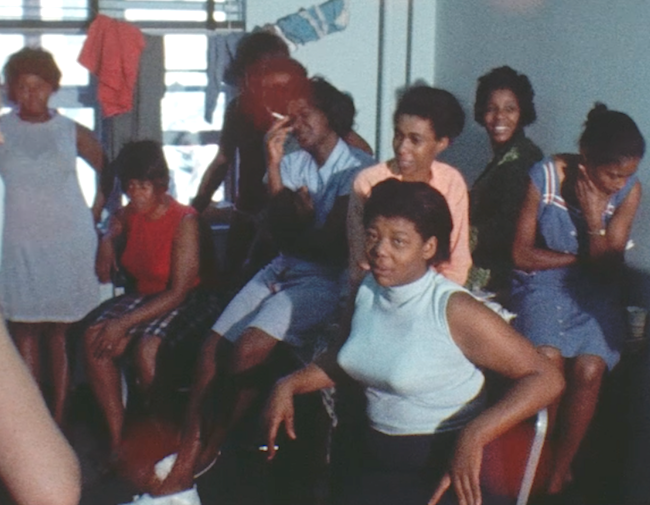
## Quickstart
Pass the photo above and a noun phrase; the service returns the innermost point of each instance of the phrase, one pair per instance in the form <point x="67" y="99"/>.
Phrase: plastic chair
<point x="510" y="462"/>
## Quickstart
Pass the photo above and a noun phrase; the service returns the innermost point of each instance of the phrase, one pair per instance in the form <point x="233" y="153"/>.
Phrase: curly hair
<point x="34" y="61"/>
<point x="438" y="106"/>
<point x="255" y="47"/>
<point x="337" y="106"/>
<point x="610" y="136"/>
<point x="416" y="202"/>
<point x="505" y="78"/>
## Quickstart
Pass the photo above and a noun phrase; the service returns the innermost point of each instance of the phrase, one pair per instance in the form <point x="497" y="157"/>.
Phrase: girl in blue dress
<point x="571" y="236"/>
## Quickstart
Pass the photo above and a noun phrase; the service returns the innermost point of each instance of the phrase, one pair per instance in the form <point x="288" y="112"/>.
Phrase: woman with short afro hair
<point x="47" y="280"/>
<point x="504" y="106"/>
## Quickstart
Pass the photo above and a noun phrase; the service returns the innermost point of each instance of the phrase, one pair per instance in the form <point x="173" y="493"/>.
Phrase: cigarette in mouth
<point x="277" y="116"/>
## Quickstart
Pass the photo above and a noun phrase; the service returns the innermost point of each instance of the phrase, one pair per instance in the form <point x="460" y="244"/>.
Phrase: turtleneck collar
<point x="402" y="294"/>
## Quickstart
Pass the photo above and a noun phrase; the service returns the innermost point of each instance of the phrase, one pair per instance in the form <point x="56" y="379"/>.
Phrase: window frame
<point x="33" y="30"/>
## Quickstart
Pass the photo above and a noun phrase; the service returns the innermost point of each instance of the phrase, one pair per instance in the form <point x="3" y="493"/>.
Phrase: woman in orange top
<point x="169" y="303"/>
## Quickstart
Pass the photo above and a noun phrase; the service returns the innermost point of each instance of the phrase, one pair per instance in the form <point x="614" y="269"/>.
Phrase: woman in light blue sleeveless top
<point x="418" y="344"/>
<point x="571" y="237"/>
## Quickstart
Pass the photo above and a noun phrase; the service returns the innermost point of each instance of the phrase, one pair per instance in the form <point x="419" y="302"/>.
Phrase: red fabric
<point x="112" y="52"/>
<point x="148" y="252"/>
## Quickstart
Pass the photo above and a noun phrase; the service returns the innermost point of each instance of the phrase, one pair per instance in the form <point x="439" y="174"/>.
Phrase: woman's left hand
<point x="593" y="202"/>
<point x="464" y="472"/>
<point x="111" y="339"/>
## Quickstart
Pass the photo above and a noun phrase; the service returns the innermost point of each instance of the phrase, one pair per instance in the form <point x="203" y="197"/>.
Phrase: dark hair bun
<point x="598" y="109"/>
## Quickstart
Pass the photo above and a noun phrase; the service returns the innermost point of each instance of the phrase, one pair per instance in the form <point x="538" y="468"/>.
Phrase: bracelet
<point x="601" y="232"/>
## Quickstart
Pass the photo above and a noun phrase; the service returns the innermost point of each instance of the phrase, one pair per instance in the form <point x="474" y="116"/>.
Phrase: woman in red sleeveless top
<point x="162" y="256"/>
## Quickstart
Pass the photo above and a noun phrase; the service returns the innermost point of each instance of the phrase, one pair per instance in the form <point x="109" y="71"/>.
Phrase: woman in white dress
<point x="47" y="279"/>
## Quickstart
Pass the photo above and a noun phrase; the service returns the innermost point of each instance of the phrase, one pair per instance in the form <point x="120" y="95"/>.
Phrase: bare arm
<point x="222" y="162"/>
<point x="525" y="254"/>
<point x="36" y="463"/>
<point x="610" y="244"/>
<point x="91" y="151"/>
<point x="488" y="342"/>
<point x="274" y="140"/>
<point x="106" y="260"/>
<point x="211" y="180"/>
<point x="279" y="408"/>
<point x="184" y="271"/>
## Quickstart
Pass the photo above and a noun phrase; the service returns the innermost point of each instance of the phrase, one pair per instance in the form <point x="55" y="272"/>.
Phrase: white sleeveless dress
<point x="49" y="242"/>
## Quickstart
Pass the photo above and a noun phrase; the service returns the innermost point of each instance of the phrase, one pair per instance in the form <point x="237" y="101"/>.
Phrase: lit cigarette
<point x="277" y="116"/>
<point x="265" y="448"/>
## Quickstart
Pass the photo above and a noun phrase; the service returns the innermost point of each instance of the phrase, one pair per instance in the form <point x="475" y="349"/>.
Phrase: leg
<point x="145" y="360"/>
<point x="27" y="338"/>
<point x="556" y="358"/>
<point x="191" y="447"/>
<point x="252" y="349"/>
<point x="105" y="380"/>
<point x="240" y="388"/>
<point x="57" y="347"/>
<point x="578" y="407"/>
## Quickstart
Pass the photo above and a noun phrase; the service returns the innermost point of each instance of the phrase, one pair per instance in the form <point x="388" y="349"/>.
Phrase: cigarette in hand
<point x="277" y="115"/>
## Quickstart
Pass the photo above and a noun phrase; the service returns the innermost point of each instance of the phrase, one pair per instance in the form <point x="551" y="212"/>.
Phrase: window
<point x="207" y="14"/>
<point x="190" y="142"/>
<point x="58" y="25"/>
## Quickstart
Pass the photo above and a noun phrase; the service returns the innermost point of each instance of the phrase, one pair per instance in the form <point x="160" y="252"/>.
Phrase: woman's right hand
<point x="274" y="140"/>
<point x="464" y="472"/>
<point x="593" y="202"/>
<point x="279" y="409"/>
<point x="110" y="340"/>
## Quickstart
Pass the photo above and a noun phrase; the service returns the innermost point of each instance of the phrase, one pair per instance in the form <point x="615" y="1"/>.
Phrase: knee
<point x="588" y="371"/>
<point x="252" y="349"/>
<point x="554" y="355"/>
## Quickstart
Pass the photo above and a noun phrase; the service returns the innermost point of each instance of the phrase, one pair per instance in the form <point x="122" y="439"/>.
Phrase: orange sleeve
<point x="460" y="260"/>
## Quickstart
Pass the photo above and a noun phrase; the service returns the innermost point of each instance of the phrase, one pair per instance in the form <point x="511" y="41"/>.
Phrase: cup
<point x="636" y="321"/>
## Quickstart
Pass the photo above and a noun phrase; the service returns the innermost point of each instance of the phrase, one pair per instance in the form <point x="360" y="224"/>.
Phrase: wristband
<point x="601" y="232"/>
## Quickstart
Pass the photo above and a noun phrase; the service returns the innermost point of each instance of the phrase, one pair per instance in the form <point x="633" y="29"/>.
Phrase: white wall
<point x="351" y="59"/>
<point x="574" y="53"/>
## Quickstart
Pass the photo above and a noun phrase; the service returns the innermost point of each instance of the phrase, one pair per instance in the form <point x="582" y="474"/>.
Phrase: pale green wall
<point x="574" y="51"/>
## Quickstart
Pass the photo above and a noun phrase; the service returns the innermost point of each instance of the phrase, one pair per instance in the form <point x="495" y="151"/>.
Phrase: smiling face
<point x="416" y="145"/>
<point x="310" y="125"/>
<point x="396" y="251"/>
<point x="502" y="115"/>
<point x="32" y="94"/>
<point x="612" y="177"/>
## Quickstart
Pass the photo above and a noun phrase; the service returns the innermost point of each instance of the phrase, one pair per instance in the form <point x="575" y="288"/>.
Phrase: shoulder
<point x="529" y="149"/>
<point x="185" y="210"/>
<point x="447" y="176"/>
<point x="361" y="158"/>
<point x="442" y="292"/>
<point x="370" y="176"/>
<point x="543" y="167"/>
<point x="60" y="119"/>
